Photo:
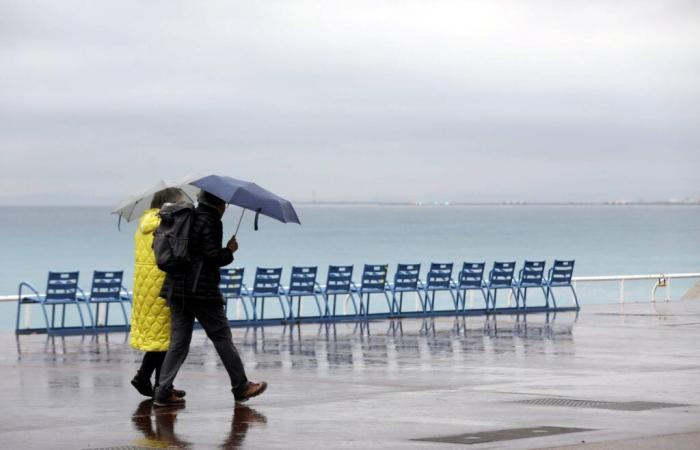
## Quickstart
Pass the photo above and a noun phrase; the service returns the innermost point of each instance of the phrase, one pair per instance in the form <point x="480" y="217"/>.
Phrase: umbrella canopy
<point x="248" y="195"/>
<point x="134" y="205"/>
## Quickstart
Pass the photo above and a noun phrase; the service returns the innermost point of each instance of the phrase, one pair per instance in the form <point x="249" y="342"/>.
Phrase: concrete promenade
<point x="612" y="377"/>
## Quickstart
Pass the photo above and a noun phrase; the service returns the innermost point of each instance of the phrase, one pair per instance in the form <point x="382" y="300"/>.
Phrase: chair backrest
<point x="231" y="282"/>
<point x="561" y="272"/>
<point x="106" y="285"/>
<point x="472" y="275"/>
<point x="62" y="286"/>
<point x="439" y="276"/>
<point x="374" y="276"/>
<point x="339" y="279"/>
<point x="267" y="281"/>
<point x="406" y="276"/>
<point x="303" y="280"/>
<point x="532" y="273"/>
<point x="502" y="274"/>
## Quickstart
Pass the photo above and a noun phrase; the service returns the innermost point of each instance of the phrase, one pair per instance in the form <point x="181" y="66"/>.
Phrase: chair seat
<point x="106" y="300"/>
<point x="462" y="288"/>
<point x="261" y="294"/>
<point x="334" y="291"/>
<point x="500" y="285"/>
<point x="530" y="284"/>
<point x="368" y="290"/>
<point x="300" y="293"/>
<point x="403" y="289"/>
<point x="555" y="283"/>
<point x="442" y="288"/>
<point x="59" y="301"/>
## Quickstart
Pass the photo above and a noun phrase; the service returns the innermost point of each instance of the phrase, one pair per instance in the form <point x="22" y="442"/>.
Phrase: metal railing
<point x="663" y="280"/>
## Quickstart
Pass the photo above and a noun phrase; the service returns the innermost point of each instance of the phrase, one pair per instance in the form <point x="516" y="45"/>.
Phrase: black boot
<point x="143" y="385"/>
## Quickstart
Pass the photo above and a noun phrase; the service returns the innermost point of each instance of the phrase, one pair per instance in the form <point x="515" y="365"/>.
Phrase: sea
<point x="603" y="239"/>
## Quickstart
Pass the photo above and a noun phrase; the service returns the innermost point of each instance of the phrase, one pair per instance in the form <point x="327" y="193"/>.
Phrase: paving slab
<point x="534" y="381"/>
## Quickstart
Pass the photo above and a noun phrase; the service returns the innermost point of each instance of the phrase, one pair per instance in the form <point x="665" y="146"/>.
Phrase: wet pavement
<point x="611" y="377"/>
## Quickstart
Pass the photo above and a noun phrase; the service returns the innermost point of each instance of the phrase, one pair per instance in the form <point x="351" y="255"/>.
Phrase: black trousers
<point x="152" y="362"/>
<point x="215" y="323"/>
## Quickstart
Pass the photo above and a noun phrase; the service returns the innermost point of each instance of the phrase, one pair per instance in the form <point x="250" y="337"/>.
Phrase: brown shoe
<point x="252" y="390"/>
<point x="170" y="401"/>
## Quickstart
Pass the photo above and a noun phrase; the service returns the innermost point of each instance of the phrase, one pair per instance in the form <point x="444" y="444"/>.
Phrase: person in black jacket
<point x="195" y="294"/>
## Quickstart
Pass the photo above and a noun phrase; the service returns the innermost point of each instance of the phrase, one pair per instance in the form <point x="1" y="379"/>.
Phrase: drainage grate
<point x="501" y="435"/>
<point x="618" y="406"/>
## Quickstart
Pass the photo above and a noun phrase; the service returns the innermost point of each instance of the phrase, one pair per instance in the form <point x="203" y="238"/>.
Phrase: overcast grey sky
<point x="357" y="100"/>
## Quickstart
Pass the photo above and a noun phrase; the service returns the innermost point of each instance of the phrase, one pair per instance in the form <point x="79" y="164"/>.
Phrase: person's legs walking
<point x="181" y="325"/>
<point x="142" y="379"/>
<point x="215" y="324"/>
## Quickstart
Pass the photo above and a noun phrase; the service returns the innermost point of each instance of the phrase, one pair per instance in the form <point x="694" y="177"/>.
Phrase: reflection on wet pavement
<point x="162" y="434"/>
<point x="381" y="384"/>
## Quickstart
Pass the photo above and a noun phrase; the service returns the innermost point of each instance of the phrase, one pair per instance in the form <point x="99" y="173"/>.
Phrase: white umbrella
<point x="134" y="205"/>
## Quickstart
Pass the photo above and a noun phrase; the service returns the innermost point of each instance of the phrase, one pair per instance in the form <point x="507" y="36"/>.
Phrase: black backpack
<point x="171" y="238"/>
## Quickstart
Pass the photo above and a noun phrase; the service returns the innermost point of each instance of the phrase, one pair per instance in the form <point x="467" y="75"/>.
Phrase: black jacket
<point x="205" y="246"/>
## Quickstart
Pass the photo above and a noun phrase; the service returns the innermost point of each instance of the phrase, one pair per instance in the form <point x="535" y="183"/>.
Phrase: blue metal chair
<point x="471" y="278"/>
<point x="439" y="278"/>
<point x="338" y="282"/>
<point x="107" y="288"/>
<point x="373" y="282"/>
<point x="61" y="289"/>
<point x="233" y="288"/>
<point x="560" y="275"/>
<point x="500" y="277"/>
<point x="265" y="285"/>
<point x="530" y="276"/>
<point x="302" y="283"/>
<point x="406" y="280"/>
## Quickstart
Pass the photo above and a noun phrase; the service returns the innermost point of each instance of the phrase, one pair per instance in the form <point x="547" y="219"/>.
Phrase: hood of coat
<point x="149" y="221"/>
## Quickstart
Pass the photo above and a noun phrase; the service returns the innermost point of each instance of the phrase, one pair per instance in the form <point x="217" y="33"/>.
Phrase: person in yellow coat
<point x="150" y="318"/>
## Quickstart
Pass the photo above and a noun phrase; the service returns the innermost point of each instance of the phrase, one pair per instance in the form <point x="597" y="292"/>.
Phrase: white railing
<point x="663" y="280"/>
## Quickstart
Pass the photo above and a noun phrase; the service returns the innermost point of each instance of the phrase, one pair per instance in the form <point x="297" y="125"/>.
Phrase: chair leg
<point x="318" y="305"/>
<point x="46" y="317"/>
<point x="354" y="305"/>
<point x="389" y="304"/>
<point x="106" y="314"/>
<point x="575" y="297"/>
<point x="63" y="315"/>
<point x="291" y="310"/>
<point x="245" y="308"/>
<point x="53" y="316"/>
<point x="89" y="310"/>
<point x="80" y="314"/>
<point x="19" y="309"/>
<point x="554" y="300"/>
<point x="546" y="298"/>
<point x="126" y="319"/>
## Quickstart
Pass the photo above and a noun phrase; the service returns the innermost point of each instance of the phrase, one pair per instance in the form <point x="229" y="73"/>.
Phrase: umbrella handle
<point x="240" y="219"/>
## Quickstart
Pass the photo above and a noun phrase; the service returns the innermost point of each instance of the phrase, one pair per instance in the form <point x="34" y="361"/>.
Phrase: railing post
<point x="622" y="290"/>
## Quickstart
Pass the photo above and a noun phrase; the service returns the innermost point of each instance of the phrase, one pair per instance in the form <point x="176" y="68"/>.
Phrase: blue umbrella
<point x="250" y="196"/>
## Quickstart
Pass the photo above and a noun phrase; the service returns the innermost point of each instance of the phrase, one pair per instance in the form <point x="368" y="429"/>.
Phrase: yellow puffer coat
<point x="150" y="322"/>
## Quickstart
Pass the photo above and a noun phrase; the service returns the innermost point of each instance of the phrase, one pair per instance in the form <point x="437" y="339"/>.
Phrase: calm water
<point x="604" y="240"/>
